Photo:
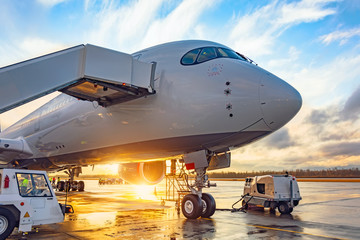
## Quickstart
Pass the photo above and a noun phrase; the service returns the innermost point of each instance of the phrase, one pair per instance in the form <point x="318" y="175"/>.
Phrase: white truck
<point x="272" y="191"/>
<point x="26" y="200"/>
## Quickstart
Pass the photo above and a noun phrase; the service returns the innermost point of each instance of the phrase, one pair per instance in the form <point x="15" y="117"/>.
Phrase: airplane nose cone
<point x="279" y="101"/>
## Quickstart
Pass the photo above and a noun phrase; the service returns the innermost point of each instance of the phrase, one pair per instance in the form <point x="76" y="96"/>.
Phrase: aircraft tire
<point x="209" y="205"/>
<point x="191" y="206"/>
<point x="81" y="186"/>
<point x="284" y="208"/>
<point x="61" y="186"/>
<point x="7" y="223"/>
<point x="74" y="186"/>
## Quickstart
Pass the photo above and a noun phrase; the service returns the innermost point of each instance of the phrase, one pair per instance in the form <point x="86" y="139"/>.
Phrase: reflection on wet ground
<point x="328" y="211"/>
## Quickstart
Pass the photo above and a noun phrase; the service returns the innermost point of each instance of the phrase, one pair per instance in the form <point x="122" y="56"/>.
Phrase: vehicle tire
<point x="291" y="209"/>
<point x="61" y="186"/>
<point x="7" y="223"/>
<point x="74" y="186"/>
<point x="191" y="206"/>
<point x="283" y="208"/>
<point x="208" y="205"/>
<point x="81" y="186"/>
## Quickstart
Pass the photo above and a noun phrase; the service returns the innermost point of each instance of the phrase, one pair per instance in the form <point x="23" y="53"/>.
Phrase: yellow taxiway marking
<point x="285" y="230"/>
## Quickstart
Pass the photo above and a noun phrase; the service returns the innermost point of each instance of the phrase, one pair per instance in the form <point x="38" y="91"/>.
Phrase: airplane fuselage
<point x="215" y="105"/>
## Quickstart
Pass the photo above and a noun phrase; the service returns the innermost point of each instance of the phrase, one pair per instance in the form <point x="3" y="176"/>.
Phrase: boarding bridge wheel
<point x="191" y="206"/>
<point x="208" y="204"/>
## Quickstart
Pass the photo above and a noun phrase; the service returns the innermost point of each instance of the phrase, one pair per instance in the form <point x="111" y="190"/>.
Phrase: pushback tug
<point x="26" y="200"/>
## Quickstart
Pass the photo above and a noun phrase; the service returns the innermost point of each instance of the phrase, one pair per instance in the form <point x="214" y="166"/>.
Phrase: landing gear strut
<point x="71" y="184"/>
<point x="198" y="204"/>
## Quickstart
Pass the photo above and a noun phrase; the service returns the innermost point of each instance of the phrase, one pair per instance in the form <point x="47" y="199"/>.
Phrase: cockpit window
<point x="206" y="54"/>
<point x="229" y="53"/>
<point x="200" y="55"/>
<point x="190" y="57"/>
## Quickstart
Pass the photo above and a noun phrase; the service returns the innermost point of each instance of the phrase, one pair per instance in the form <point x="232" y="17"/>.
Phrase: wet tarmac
<point x="328" y="211"/>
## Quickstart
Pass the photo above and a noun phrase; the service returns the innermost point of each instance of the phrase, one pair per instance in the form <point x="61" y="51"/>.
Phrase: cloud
<point x="327" y="81"/>
<point x="144" y="23"/>
<point x="121" y="26"/>
<point x="280" y="140"/>
<point x="27" y="48"/>
<point x="341" y="149"/>
<point x="50" y="3"/>
<point x="341" y="36"/>
<point x="304" y="11"/>
<point x="255" y="33"/>
<point x="34" y="46"/>
<point x="181" y="22"/>
<point x="319" y="117"/>
<point x="352" y="106"/>
<point x="290" y="60"/>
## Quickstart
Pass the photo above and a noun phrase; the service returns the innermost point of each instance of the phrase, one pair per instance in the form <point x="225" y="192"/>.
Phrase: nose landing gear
<point x="198" y="204"/>
<point x="191" y="206"/>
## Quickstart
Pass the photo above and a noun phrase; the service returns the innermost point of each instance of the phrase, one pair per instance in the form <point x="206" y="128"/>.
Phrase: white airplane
<point x="194" y="100"/>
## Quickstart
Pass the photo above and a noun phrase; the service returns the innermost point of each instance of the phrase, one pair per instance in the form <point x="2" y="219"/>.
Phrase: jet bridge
<point x="86" y="72"/>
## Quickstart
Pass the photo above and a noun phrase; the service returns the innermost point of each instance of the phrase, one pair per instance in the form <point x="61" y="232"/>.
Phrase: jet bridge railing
<point x="176" y="183"/>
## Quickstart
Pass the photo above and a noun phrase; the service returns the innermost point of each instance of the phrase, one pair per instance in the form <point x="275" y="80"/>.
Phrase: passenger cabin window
<point x="201" y="55"/>
<point x="33" y="185"/>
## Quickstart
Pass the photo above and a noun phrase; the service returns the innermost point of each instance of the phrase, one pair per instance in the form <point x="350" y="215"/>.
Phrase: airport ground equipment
<point x="176" y="183"/>
<point x="179" y="187"/>
<point x="272" y="191"/>
<point x="26" y="200"/>
<point x="86" y="72"/>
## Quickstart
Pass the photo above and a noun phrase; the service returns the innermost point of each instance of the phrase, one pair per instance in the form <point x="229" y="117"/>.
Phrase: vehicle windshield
<point x="33" y="185"/>
<point x="204" y="54"/>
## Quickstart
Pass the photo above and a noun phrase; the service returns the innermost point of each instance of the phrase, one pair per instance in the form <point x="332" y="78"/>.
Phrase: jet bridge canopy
<point x="86" y="72"/>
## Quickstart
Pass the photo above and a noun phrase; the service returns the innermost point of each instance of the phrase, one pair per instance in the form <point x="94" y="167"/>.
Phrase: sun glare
<point x="145" y="192"/>
<point x="108" y="169"/>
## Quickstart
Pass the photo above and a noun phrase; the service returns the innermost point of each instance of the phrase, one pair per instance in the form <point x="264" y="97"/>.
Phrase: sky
<point x="312" y="44"/>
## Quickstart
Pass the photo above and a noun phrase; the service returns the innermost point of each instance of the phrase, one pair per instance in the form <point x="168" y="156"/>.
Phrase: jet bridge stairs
<point x="176" y="183"/>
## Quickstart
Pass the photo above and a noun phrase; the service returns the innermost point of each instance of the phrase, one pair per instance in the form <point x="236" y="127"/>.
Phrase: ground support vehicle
<point x="272" y="191"/>
<point x="26" y="200"/>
